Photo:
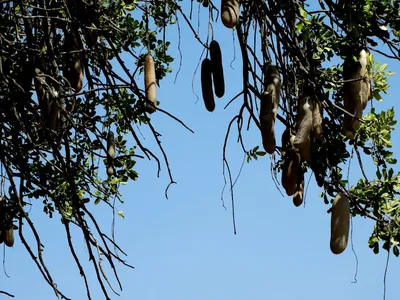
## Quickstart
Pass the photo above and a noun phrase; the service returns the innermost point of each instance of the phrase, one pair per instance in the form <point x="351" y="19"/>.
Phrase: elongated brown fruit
<point x="54" y="115"/>
<point x="111" y="145"/>
<point x="217" y="69"/>
<point x="206" y="85"/>
<point x="205" y="3"/>
<point x="267" y="123"/>
<point x="230" y="12"/>
<point x="110" y="153"/>
<point x="150" y="83"/>
<point x="356" y="92"/>
<point x="365" y="84"/>
<point x="73" y="69"/>
<point x="91" y="35"/>
<point x="289" y="173"/>
<point x="340" y="223"/>
<point x="110" y="169"/>
<point x="269" y="108"/>
<point x="8" y="237"/>
<point x="305" y="119"/>
<point x="317" y="119"/>
<point x="298" y="195"/>
<point x="319" y="172"/>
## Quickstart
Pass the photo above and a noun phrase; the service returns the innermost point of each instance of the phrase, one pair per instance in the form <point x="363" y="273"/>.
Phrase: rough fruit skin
<point x="206" y="85"/>
<point x="8" y="237"/>
<point x="317" y="119"/>
<point x="340" y="223"/>
<point x="356" y="93"/>
<point x="230" y="12"/>
<point x="217" y="69"/>
<point x="305" y="122"/>
<point x="73" y="69"/>
<point x="269" y="108"/>
<point x="365" y="84"/>
<point x="150" y="83"/>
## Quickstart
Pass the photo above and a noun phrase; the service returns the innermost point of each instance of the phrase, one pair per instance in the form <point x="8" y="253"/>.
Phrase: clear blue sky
<point x="184" y="248"/>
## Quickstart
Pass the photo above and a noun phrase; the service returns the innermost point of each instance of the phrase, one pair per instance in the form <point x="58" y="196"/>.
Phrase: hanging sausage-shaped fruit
<point x="340" y="223"/>
<point x="217" y="69"/>
<point x="150" y="83"/>
<point x="91" y="35"/>
<point x="73" y="68"/>
<point x="8" y="237"/>
<point x="304" y="128"/>
<point x="54" y="116"/>
<point x="230" y="12"/>
<point x="289" y="172"/>
<point x="207" y="85"/>
<point x="298" y="195"/>
<point x="317" y="119"/>
<point x="110" y="153"/>
<point x="269" y="108"/>
<point x="356" y="92"/>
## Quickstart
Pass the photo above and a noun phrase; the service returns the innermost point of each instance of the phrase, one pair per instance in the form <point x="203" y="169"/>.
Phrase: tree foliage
<point x="53" y="145"/>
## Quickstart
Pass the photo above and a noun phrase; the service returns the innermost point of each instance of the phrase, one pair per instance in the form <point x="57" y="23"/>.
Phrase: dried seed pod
<point x="73" y="69"/>
<point x="8" y="237"/>
<point x="205" y="3"/>
<point x="289" y="173"/>
<point x="1" y="238"/>
<point x="230" y="12"/>
<point x="356" y="92"/>
<point x="298" y="195"/>
<point x="317" y="119"/>
<point x="305" y="122"/>
<point x="269" y="108"/>
<point x="340" y="223"/>
<point x="217" y="69"/>
<point x="206" y="85"/>
<point x="150" y="83"/>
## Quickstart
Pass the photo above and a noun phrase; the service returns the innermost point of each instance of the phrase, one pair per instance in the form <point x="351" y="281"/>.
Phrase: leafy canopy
<point x="53" y="146"/>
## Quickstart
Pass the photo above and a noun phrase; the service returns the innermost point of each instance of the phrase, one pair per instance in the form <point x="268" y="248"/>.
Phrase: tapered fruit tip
<point x="110" y="170"/>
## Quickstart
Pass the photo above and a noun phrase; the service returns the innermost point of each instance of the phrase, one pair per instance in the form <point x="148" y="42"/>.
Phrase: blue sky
<point x="184" y="248"/>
